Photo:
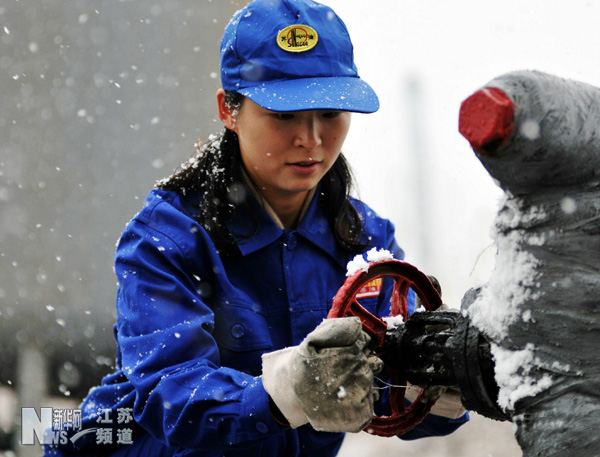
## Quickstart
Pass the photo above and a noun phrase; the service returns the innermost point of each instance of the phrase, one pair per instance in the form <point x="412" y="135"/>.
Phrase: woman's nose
<point x="308" y="133"/>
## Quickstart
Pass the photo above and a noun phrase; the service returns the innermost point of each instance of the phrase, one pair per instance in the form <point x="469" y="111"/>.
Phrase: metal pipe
<point x="539" y="137"/>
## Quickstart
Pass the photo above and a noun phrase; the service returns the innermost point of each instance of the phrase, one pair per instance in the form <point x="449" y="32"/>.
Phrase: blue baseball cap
<point x="293" y="55"/>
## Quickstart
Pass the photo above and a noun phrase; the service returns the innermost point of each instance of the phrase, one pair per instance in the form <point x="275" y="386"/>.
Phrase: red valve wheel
<point x="345" y="303"/>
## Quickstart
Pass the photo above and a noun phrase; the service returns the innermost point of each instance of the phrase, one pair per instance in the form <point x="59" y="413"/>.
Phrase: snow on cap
<point x="292" y="55"/>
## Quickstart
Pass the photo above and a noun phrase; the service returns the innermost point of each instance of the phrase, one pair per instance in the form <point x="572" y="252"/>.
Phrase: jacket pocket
<point x="241" y="328"/>
<point x="242" y="336"/>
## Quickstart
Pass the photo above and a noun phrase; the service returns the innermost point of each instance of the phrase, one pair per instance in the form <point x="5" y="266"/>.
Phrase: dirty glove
<point x="437" y="286"/>
<point x="327" y="380"/>
<point x="448" y="403"/>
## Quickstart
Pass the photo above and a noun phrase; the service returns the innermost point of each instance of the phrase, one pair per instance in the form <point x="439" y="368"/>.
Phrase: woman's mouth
<point x="305" y="167"/>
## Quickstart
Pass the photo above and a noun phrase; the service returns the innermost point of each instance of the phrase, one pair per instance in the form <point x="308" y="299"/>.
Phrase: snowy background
<point x="101" y="98"/>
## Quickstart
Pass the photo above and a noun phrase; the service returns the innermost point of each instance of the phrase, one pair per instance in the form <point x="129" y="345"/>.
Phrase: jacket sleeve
<point x="183" y="396"/>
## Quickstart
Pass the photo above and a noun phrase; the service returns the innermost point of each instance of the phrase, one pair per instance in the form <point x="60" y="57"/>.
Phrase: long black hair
<point x="216" y="171"/>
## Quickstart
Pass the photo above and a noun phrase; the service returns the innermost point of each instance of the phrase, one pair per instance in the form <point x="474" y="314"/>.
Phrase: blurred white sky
<point x="451" y="49"/>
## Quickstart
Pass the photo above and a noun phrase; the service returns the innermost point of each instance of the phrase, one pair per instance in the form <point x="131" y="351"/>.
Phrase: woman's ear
<point x="226" y="114"/>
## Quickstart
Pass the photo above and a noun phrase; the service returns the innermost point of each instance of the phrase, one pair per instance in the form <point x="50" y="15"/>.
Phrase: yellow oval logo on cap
<point x="297" y="38"/>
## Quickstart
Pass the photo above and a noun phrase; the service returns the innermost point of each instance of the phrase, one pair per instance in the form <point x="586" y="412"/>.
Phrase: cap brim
<point x="320" y="93"/>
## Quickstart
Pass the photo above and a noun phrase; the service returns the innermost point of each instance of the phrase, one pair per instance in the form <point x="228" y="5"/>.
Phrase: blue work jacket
<point x="192" y="325"/>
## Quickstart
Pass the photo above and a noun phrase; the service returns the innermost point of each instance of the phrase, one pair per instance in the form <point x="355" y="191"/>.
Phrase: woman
<point x="227" y="273"/>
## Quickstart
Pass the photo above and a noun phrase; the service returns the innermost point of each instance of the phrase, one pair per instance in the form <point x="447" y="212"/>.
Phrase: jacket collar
<point x="316" y="228"/>
<point x="254" y="217"/>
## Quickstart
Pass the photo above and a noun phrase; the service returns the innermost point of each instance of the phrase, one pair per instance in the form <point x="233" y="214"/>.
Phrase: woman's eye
<point x="331" y="114"/>
<point x="283" y="116"/>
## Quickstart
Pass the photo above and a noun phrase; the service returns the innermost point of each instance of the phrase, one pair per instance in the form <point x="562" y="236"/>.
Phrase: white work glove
<point x="327" y="380"/>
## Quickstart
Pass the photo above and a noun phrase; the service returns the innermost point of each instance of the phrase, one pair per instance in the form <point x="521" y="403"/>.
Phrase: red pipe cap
<point x="486" y="119"/>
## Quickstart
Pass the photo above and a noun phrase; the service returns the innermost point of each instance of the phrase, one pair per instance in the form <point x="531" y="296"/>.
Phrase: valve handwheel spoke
<point x="374" y="326"/>
<point x="406" y="277"/>
<point x="399" y="299"/>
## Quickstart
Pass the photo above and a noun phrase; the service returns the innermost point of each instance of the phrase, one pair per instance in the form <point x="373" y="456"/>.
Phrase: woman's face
<point x="287" y="154"/>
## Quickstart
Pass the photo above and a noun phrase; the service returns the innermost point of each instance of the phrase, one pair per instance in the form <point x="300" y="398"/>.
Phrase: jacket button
<point x="291" y="242"/>
<point x="238" y="331"/>
<point x="262" y="427"/>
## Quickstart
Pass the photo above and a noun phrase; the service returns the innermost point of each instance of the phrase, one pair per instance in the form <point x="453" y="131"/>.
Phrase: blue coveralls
<point x="192" y="326"/>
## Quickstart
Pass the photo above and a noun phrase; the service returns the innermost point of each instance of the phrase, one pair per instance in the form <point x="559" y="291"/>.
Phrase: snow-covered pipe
<point x="539" y="137"/>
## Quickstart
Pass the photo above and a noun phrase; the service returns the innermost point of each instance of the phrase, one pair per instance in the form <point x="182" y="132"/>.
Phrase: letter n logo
<point x="32" y="425"/>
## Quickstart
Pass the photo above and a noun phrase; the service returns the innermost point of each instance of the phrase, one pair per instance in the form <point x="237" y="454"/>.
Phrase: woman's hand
<point x="327" y="380"/>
